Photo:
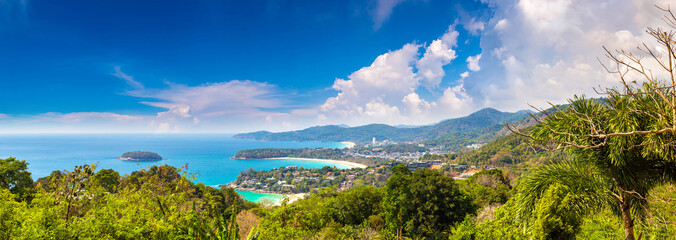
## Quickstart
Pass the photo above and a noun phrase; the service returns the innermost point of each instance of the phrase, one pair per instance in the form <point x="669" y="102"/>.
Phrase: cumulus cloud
<point x="367" y="91"/>
<point x="532" y="52"/>
<point x="438" y="54"/>
<point x="542" y="51"/>
<point x="473" y="62"/>
<point x="383" y="10"/>
<point x="387" y="90"/>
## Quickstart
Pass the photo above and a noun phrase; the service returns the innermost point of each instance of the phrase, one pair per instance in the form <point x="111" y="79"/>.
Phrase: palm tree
<point x="615" y="173"/>
<point x="623" y="146"/>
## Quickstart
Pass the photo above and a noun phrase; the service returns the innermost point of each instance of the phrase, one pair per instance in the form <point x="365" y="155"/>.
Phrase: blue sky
<point x="234" y="66"/>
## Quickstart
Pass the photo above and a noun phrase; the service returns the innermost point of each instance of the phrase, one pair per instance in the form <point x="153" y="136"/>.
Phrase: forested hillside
<point x="477" y="124"/>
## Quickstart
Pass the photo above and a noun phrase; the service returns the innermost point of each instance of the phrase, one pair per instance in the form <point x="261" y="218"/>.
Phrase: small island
<point x="140" y="156"/>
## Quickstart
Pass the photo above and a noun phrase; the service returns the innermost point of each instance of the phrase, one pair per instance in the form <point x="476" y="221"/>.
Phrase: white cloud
<point x="383" y="10"/>
<point x="538" y="51"/>
<point x="501" y="24"/>
<point x="2" y="115"/>
<point x="213" y="103"/>
<point x="207" y="107"/>
<point x="175" y="119"/>
<point x="386" y="91"/>
<point x="474" y="26"/>
<point x="455" y="100"/>
<point x="473" y="63"/>
<point x="437" y="55"/>
<point x="364" y="95"/>
<point x="389" y="78"/>
<point x="416" y="106"/>
<point x="532" y="52"/>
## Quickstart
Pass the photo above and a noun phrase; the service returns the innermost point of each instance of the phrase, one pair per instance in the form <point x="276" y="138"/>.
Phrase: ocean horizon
<point x="208" y="156"/>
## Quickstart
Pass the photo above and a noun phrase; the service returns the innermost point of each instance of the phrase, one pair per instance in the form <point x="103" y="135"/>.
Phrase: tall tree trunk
<point x="627" y="219"/>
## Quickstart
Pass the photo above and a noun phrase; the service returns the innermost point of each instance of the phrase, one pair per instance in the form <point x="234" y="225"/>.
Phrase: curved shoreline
<point x="349" y="145"/>
<point x="345" y="163"/>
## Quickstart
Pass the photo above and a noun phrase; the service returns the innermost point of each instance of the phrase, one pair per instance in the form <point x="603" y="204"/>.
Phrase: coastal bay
<point x="207" y="156"/>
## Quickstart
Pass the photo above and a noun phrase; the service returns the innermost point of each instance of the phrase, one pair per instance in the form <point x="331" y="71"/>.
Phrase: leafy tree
<point x="487" y="187"/>
<point x="554" y="215"/>
<point x="71" y="190"/>
<point x="9" y="210"/>
<point x="423" y="203"/>
<point x="15" y="177"/>
<point x="616" y="173"/>
<point x="355" y="206"/>
<point x="501" y="226"/>
<point x="109" y="179"/>
<point x="48" y="183"/>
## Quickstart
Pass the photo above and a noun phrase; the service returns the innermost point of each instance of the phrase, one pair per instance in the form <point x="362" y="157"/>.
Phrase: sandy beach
<point x="295" y="196"/>
<point x="349" y="144"/>
<point x="346" y="163"/>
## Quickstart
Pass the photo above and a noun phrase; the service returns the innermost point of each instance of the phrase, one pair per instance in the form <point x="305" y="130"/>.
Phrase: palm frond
<point x="590" y="190"/>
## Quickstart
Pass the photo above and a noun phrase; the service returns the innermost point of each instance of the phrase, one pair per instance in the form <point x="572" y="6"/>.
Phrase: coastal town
<point x="298" y="180"/>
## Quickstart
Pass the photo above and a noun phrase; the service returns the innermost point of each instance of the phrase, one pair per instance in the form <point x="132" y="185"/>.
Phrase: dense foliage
<point x="14" y="176"/>
<point x="423" y="203"/>
<point x="155" y="203"/>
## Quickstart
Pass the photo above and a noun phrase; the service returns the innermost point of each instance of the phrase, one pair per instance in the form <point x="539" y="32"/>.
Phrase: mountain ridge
<point x="481" y="120"/>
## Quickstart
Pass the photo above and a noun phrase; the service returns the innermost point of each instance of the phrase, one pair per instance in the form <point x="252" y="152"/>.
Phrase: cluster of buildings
<point x="467" y="170"/>
<point x="386" y="155"/>
<point x="298" y="180"/>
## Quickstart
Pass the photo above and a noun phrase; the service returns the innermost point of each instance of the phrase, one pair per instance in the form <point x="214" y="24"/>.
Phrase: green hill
<point x="480" y="123"/>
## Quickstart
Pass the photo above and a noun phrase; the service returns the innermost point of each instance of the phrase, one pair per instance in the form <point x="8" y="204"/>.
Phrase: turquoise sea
<point x="207" y="155"/>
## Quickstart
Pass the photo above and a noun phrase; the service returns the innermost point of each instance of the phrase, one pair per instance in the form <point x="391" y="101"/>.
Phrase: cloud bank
<point x="386" y="91"/>
<point x="532" y="52"/>
<point x="220" y="103"/>
<point x="538" y="51"/>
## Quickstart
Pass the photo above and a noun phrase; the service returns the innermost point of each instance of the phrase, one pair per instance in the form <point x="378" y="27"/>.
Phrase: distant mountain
<point x="485" y="121"/>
